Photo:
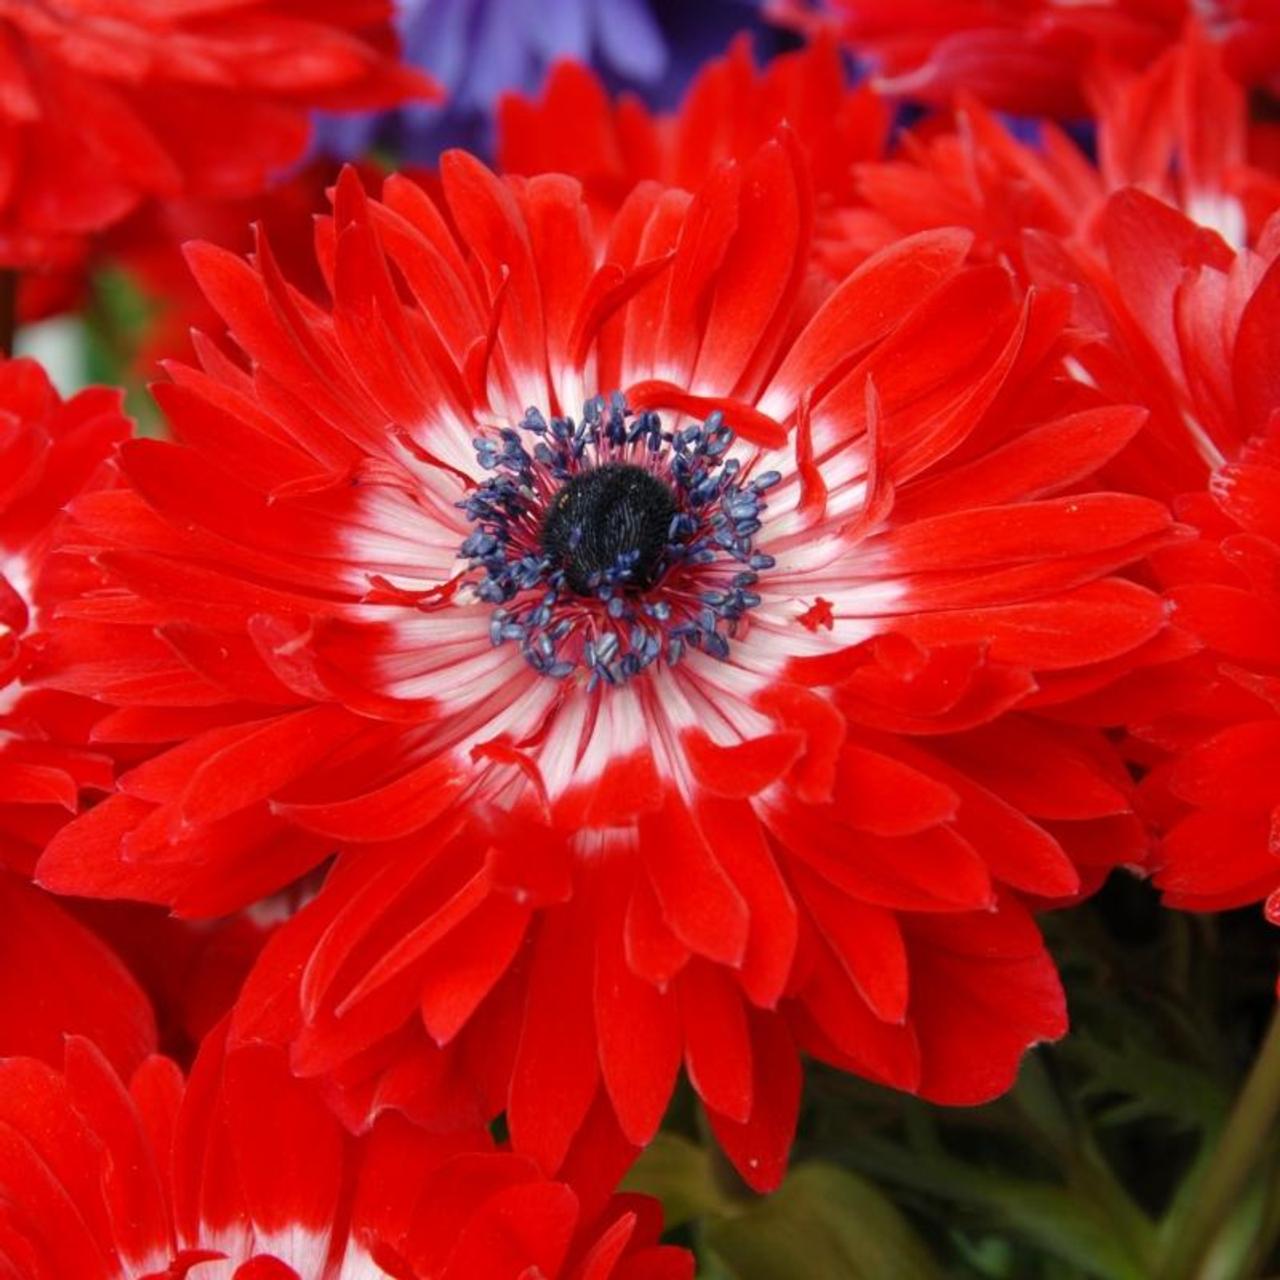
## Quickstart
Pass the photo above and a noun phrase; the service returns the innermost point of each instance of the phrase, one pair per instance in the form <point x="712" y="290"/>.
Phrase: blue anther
<point x="607" y="647"/>
<point x="717" y="513"/>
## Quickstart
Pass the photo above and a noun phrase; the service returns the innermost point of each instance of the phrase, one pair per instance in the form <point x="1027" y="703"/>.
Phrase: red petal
<point x="288" y="1149"/>
<point x="270" y="757"/>
<point x="744" y="419"/>
<point x="639" y="1030"/>
<point x="134" y="1177"/>
<point x="1086" y="624"/>
<point x="36" y="784"/>
<point x="743" y="769"/>
<point x="464" y="967"/>
<point x="698" y="900"/>
<point x="46" y="959"/>
<point x="823" y="727"/>
<point x="1256" y="359"/>
<point x="1214" y="859"/>
<point x="760" y="1147"/>
<point x="717" y="1048"/>
<point x="743" y="851"/>
<point x="868" y="943"/>
<point x="884" y="796"/>
<point x="401" y="807"/>
<point x="1235" y="769"/>
<point x="653" y="951"/>
<point x="983" y="991"/>
<point x="557" y="1068"/>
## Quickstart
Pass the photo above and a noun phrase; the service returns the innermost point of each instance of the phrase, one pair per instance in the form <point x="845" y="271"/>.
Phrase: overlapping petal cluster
<point x="50" y="450"/>
<point x="676" y="604"/>
<point x="106" y="105"/>
<point x="1190" y="326"/>
<point x="800" y="818"/>
<point x="242" y="1173"/>
<point x="1035" y="57"/>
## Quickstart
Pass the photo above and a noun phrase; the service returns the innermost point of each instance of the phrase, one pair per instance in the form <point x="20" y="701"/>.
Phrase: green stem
<point x="1249" y="1129"/>
<point x="1269" y="1231"/>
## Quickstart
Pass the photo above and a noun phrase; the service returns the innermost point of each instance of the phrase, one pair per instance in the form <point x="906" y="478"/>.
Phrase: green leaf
<point x="1091" y="1234"/>
<point x="1150" y="1083"/>
<point x="116" y="322"/>
<point x="680" y="1174"/>
<point x="1065" y="1224"/>
<point x="823" y="1224"/>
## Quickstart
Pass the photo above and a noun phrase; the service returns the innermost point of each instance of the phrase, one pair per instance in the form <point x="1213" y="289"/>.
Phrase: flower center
<point x="609" y="544"/>
<point x="613" y="519"/>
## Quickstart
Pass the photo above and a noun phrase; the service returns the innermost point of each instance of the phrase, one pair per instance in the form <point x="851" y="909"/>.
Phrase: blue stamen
<point x="612" y="618"/>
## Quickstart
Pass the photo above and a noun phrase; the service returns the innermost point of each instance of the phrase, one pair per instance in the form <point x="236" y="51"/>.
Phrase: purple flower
<point x="480" y="49"/>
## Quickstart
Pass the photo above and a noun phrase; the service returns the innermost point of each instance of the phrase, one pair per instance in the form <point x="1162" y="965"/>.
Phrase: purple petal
<point x="630" y="42"/>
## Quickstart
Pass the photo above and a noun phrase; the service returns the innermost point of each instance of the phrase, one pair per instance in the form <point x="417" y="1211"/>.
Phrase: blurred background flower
<point x="479" y="50"/>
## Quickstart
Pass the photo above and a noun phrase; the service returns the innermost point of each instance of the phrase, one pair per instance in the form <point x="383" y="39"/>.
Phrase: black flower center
<point x="612" y="520"/>
<point x="608" y="544"/>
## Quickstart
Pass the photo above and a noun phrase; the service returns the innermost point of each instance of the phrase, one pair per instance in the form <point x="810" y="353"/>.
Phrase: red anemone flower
<point x="1219" y="790"/>
<point x="50" y="450"/>
<point x="730" y="109"/>
<point x="970" y="169"/>
<point x="1173" y="317"/>
<point x="64" y="967"/>
<point x="242" y="1173"/>
<point x="663" y="641"/>
<point x="1034" y="57"/>
<point x="973" y="170"/>
<point x="1193" y="328"/>
<point x="106" y="105"/>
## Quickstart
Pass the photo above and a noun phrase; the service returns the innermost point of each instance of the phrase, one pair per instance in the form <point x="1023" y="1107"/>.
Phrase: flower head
<point x="731" y="109"/>
<point x="242" y="1172"/>
<point x="970" y="168"/>
<point x="1190" y="325"/>
<point x="51" y="450"/>
<point x="104" y="109"/>
<point x="657" y="634"/>
<point x="1032" y="58"/>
